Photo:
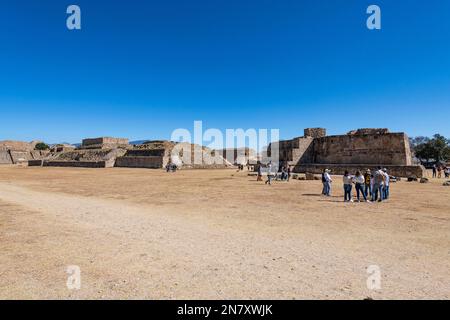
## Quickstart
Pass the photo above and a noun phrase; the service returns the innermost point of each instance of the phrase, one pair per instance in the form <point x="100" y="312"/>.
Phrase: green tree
<point x="41" y="146"/>
<point x="440" y="146"/>
<point x="437" y="148"/>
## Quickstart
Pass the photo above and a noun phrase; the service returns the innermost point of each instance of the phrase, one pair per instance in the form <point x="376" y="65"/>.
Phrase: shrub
<point x="41" y="146"/>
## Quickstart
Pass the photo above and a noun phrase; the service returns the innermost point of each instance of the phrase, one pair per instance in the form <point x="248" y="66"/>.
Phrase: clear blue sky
<point x="140" y="69"/>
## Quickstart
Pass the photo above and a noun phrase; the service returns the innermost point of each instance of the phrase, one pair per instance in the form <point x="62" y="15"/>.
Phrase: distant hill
<point x="138" y="141"/>
<point x="77" y="145"/>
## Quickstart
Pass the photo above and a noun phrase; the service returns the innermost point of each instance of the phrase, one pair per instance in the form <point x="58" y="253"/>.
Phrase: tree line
<point x="436" y="148"/>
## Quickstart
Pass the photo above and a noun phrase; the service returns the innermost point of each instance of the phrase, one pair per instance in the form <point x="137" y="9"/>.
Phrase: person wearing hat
<point x="348" y="185"/>
<point x="367" y="183"/>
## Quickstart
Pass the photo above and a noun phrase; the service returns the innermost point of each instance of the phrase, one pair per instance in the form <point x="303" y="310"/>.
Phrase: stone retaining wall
<point x="78" y="164"/>
<point x="35" y="163"/>
<point x="389" y="148"/>
<point x="146" y="153"/>
<point x="20" y="156"/>
<point x="5" y="157"/>
<point x="149" y="162"/>
<point x="104" y="143"/>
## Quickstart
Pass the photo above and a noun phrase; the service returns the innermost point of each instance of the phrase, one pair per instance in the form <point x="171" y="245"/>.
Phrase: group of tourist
<point x="171" y="167"/>
<point x="285" y="174"/>
<point x="370" y="184"/>
<point x="369" y="187"/>
<point x="438" y="169"/>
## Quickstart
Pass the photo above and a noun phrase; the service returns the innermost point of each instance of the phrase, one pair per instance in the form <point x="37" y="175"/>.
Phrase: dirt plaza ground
<point x="215" y="234"/>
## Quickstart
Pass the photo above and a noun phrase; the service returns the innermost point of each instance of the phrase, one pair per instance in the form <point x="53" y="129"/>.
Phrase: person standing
<point x="288" y="173"/>
<point x="259" y="173"/>
<point x="386" y="184"/>
<point x="284" y="174"/>
<point x="372" y="186"/>
<point x="434" y="170"/>
<point x="359" y="185"/>
<point x="328" y="182"/>
<point x="367" y="184"/>
<point x="439" y="172"/>
<point x="378" y="185"/>
<point x="324" y="183"/>
<point x="269" y="175"/>
<point x="348" y="185"/>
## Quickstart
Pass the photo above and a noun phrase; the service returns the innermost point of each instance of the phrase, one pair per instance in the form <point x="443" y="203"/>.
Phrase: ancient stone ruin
<point x="18" y="152"/>
<point x="314" y="151"/>
<point x="93" y="153"/>
<point x="62" y="148"/>
<point x="151" y="154"/>
<point x="104" y="143"/>
<point x="239" y="156"/>
<point x="157" y="154"/>
<point x="107" y="152"/>
<point x="356" y="150"/>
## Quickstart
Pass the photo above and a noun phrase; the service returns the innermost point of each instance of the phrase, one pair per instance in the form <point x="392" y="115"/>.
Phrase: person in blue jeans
<point x="368" y="183"/>
<point x="359" y="186"/>
<point x="348" y="185"/>
<point x="377" y="190"/>
<point x="386" y="184"/>
<point x="324" y="183"/>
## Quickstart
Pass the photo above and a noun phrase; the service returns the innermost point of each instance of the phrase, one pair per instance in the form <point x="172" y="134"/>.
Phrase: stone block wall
<point x="368" y="131"/>
<point x="77" y="164"/>
<point x="5" y="157"/>
<point x="382" y="149"/>
<point x="17" y="145"/>
<point x="14" y="157"/>
<point x="362" y="148"/>
<point x="238" y="155"/>
<point x="297" y="150"/>
<point x="104" y="143"/>
<point x="35" y="163"/>
<point x="315" y="132"/>
<point x="147" y="153"/>
<point x="150" y="162"/>
<point x="20" y="156"/>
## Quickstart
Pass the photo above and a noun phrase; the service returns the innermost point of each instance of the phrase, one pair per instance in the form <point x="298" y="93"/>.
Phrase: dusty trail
<point x="126" y="250"/>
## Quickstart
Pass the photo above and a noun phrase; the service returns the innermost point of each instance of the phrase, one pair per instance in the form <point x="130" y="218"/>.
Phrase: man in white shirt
<point x="328" y="182"/>
<point x="359" y="186"/>
<point x="386" y="184"/>
<point x="378" y="184"/>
